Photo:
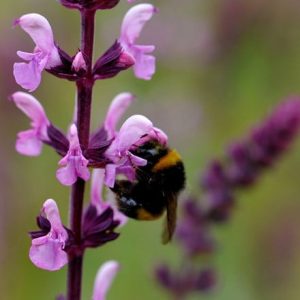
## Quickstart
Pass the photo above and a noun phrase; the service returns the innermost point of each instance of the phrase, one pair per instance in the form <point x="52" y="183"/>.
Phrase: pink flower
<point x="104" y="278"/>
<point x="30" y="142"/>
<point x="131" y="28"/>
<point x="74" y="164"/>
<point x="135" y="131"/>
<point x="46" y="251"/>
<point x="98" y="201"/>
<point x="44" y="56"/>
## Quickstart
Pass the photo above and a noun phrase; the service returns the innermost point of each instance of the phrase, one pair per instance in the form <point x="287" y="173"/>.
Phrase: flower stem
<point x="84" y="100"/>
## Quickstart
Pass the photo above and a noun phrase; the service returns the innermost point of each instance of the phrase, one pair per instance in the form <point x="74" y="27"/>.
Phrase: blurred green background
<point x="221" y="67"/>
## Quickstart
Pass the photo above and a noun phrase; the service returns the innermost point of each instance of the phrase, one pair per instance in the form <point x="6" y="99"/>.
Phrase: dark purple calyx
<point x="113" y="61"/>
<point x="44" y="225"/>
<point x="65" y="69"/>
<point x="98" y="229"/>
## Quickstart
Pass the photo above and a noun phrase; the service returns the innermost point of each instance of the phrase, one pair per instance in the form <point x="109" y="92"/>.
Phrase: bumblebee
<point x="156" y="187"/>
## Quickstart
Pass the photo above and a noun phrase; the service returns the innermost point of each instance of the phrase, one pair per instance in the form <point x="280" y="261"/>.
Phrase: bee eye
<point x="128" y="202"/>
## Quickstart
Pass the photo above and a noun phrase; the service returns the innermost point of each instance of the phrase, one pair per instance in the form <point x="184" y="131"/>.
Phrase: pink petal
<point x="67" y="175"/>
<point x="31" y="107"/>
<point x="48" y="256"/>
<point x="28" y="143"/>
<point x="82" y="169"/>
<point x="110" y="175"/>
<point x="144" y="66"/>
<point x="132" y="130"/>
<point x="28" y="75"/>
<point x="104" y="278"/>
<point x="115" y="111"/>
<point x="39" y="30"/>
<point x="75" y="164"/>
<point x="134" y="22"/>
<point x="51" y="211"/>
<point x="96" y="188"/>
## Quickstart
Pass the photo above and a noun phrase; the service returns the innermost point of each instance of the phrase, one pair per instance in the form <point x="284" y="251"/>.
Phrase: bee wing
<point x="171" y="216"/>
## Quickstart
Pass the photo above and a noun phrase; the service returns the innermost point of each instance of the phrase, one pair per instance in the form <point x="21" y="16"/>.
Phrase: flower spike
<point x="30" y="142"/>
<point x="132" y="25"/>
<point x="74" y="164"/>
<point x="47" y="248"/>
<point x="44" y="56"/>
<point x="104" y="278"/>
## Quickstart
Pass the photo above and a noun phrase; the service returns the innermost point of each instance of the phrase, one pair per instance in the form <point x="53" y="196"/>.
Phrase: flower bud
<point x="113" y="61"/>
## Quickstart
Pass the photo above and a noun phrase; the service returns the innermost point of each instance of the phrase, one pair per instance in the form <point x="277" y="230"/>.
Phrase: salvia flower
<point x="74" y="164"/>
<point x="135" y="131"/>
<point x="132" y="25"/>
<point x="44" y="56"/>
<point x="97" y="199"/>
<point x="104" y="279"/>
<point x="47" y="246"/>
<point x="30" y="142"/>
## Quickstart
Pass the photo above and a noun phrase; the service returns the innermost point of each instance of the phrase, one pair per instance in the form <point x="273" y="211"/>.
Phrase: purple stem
<point x="84" y="99"/>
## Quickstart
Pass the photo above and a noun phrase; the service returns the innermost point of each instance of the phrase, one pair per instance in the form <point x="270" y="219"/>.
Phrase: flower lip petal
<point x="104" y="279"/>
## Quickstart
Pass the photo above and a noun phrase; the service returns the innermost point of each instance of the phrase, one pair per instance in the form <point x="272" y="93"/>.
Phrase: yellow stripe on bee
<point x="169" y="160"/>
<point x="142" y="214"/>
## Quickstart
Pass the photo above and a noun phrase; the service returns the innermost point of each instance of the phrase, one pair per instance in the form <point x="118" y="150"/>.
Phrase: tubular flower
<point x="135" y="131"/>
<point x="132" y="25"/>
<point x="30" y="142"/>
<point x="98" y="201"/>
<point x="104" y="278"/>
<point x="74" y="164"/>
<point x="115" y="111"/>
<point x="44" y="56"/>
<point x="47" y="246"/>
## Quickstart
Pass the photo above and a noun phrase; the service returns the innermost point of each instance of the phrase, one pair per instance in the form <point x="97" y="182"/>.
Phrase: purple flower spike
<point x="132" y="26"/>
<point x="74" y="163"/>
<point x="104" y="278"/>
<point x="115" y="111"/>
<point x="98" y="201"/>
<point x="44" y="56"/>
<point x="135" y="131"/>
<point x="30" y="142"/>
<point x="46" y="250"/>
